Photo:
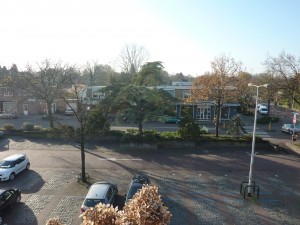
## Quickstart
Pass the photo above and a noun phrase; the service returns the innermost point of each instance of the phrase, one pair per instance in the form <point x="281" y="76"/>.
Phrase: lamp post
<point x="253" y="137"/>
<point x="294" y="122"/>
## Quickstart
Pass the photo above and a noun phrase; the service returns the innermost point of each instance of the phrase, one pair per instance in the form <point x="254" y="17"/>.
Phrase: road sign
<point x="294" y="118"/>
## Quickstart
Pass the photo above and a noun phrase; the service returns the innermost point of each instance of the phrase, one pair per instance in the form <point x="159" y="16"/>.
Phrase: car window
<point x="132" y="192"/>
<point x="20" y="160"/>
<point x="93" y="202"/>
<point x="5" y="195"/>
<point x="7" y="164"/>
<point x="109" y="193"/>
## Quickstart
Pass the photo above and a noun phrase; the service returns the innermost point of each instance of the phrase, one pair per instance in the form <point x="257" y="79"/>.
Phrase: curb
<point x="293" y="147"/>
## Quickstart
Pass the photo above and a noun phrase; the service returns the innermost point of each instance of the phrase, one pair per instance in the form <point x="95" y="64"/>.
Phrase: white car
<point x="263" y="110"/>
<point x="13" y="165"/>
<point x="290" y="128"/>
<point x="100" y="192"/>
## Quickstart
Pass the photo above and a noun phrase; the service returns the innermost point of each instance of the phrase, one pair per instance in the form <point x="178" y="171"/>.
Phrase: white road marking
<point x="115" y="159"/>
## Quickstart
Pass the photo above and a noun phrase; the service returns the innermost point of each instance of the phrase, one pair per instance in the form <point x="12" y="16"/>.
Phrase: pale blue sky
<point x="186" y="35"/>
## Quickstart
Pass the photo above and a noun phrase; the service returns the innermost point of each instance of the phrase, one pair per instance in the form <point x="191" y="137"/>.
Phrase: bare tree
<point x="95" y="74"/>
<point x="45" y="82"/>
<point x="219" y="86"/>
<point x="287" y="68"/>
<point x="132" y="57"/>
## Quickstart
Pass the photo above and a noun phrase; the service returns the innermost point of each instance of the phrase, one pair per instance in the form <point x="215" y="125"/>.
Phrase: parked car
<point x="13" y="165"/>
<point x="136" y="183"/>
<point x="172" y="120"/>
<point x="8" y="197"/>
<point x="289" y="128"/>
<point x="203" y="129"/>
<point x="69" y="112"/>
<point x="5" y="115"/>
<point x="263" y="110"/>
<point x="100" y="192"/>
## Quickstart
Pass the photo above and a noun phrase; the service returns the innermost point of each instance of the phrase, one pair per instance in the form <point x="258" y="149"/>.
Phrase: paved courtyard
<point x="200" y="186"/>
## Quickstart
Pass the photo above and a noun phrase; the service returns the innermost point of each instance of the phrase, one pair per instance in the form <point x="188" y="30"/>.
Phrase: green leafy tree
<point x="142" y="103"/>
<point x="150" y="74"/>
<point x="236" y="127"/>
<point x="188" y="127"/>
<point x="97" y="122"/>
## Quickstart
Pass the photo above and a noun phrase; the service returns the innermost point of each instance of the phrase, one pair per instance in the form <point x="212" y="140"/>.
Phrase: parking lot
<point x="200" y="186"/>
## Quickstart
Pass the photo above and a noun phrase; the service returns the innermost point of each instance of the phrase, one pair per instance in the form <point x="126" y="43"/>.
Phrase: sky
<point x="186" y="35"/>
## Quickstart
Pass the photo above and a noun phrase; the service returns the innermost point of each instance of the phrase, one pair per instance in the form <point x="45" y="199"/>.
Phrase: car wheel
<point x="27" y="166"/>
<point x="12" y="176"/>
<point x="18" y="199"/>
<point x="290" y="132"/>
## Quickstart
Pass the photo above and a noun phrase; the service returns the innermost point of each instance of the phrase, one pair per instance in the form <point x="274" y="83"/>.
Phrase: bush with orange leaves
<point x="145" y="208"/>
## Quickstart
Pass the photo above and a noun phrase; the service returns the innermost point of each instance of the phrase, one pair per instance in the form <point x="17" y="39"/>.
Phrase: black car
<point x="8" y="197"/>
<point x="137" y="182"/>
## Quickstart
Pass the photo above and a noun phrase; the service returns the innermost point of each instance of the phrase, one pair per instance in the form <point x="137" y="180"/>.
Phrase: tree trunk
<point x="50" y="116"/>
<point x="140" y="128"/>
<point x="218" y="108"/>
<point x="83" y="175"/>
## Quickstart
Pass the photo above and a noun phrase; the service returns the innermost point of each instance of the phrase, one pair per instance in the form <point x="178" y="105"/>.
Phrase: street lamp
<point x="253" y="137"/>
<point x="294" y="122"/>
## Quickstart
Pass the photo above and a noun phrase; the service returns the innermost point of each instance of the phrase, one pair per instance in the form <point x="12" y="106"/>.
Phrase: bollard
<point x="270" y="126"/>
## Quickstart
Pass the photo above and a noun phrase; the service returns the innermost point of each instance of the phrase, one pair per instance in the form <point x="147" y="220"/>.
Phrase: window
<point x="9" y="107"/>
<point x="99" y="95"/>
<point x="8" y="93"/>
<point x="109" y="193"/>
<point x="225" y="112"/>
<point x="186" y="93"/>
<point x="203" y="112"/>
<point x="171" y="92"/>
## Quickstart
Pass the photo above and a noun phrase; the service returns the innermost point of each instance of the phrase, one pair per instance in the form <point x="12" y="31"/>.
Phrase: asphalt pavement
<point x="199" y="186"/>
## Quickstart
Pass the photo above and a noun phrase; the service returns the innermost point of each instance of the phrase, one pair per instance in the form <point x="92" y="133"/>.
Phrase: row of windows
<point x="185" y="93"/>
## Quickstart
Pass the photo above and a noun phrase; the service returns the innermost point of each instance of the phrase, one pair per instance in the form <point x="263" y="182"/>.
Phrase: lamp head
<point x="250" y="84"/>
<point x="265" y="85"/>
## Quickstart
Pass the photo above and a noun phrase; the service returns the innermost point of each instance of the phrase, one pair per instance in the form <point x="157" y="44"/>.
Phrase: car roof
<point x="14" y="157"/>
<point x="7" y="189"/>
<point x="98" y="190"/>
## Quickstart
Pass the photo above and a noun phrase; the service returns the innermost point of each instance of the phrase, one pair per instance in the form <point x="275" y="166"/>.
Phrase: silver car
<point x="13" y="165"/>
<point x="290" y="128"/>
<point x="100" y="192"/>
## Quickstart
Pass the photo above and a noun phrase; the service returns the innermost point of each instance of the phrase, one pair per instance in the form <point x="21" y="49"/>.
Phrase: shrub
<point x="38" y="127"/>
<point x="188" y="127"/>
<point x="45" y="117"/>
<point x="146" y="207"/>
<point x="27" y="126"/>
<point x="116" y="133"/>
<point x="52" y="132"/>
<point x="169" y="136"/>
<point x="132" y="135"/>
<point x="8" y="127"/>
<point x="267" y="120"/>
<point x="236" y="127"/>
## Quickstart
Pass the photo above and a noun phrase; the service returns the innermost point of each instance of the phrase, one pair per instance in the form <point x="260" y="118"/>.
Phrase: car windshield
<point x="7" y="164"/>
<point x="92" y="202"/>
